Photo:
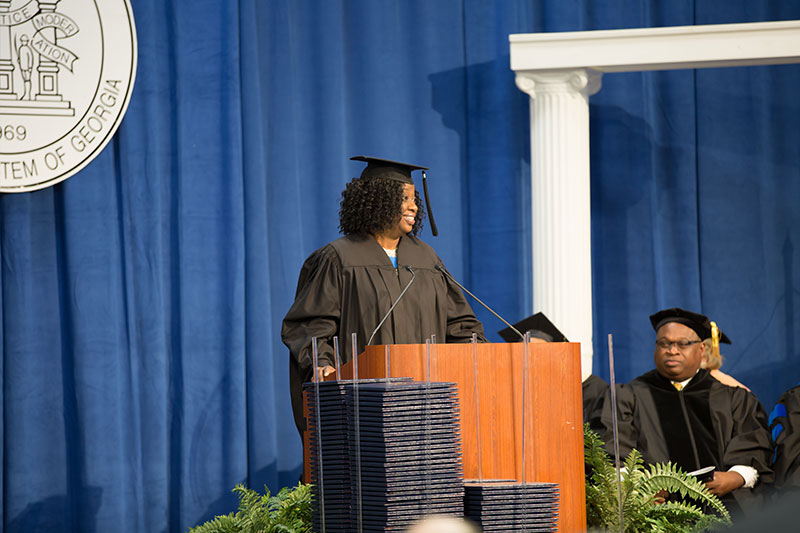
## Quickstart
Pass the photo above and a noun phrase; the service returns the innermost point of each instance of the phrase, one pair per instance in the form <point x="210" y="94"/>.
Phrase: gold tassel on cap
<point x="715" y="339"/>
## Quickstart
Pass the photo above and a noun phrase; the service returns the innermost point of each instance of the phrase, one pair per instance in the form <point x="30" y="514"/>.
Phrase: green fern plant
<point x="289" y="511"/>
<point x="641" y="487"/>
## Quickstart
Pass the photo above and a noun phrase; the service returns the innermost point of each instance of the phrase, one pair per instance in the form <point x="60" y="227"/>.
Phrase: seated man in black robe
<point x="680" y="413"/>
<point x="349" y="285"/>
<point x="784" y="422"/>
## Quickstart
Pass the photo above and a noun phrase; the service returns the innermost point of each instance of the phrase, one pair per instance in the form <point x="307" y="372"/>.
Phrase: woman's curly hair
<point x="372" y="205"/>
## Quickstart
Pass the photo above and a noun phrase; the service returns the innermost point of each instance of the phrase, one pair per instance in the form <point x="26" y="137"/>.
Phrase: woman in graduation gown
<point x="349" y="285"/>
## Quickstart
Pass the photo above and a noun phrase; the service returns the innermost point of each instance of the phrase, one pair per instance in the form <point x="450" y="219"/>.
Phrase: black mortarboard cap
<point x="539" y="326"/>
<point x="697" y="322"/>
<point x="395" y="170"/>
<point x="390" y="170"/>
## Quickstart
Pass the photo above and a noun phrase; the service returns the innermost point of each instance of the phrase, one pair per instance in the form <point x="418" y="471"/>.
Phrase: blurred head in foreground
<point x="443" y="524"/>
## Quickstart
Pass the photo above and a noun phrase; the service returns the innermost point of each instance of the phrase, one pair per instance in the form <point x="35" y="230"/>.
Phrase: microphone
<point x="389" y="312"/>
<point x="441" y="269"/>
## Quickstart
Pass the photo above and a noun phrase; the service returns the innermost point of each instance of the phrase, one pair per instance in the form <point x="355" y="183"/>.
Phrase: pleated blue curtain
<point x="142" y="369"/>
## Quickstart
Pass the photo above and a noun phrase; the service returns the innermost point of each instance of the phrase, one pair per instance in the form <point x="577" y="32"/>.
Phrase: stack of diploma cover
<point x="383" y="453"/>
<point x="512" y="506"/>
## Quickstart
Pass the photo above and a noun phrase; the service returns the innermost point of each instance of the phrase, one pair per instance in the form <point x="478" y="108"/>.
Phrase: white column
<point x="562" y="254"/>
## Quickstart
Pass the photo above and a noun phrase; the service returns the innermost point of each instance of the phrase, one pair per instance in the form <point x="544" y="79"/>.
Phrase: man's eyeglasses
<point x="683" y="344"/>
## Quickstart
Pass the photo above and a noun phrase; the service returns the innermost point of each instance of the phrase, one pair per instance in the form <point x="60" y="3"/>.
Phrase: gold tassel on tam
<point x="715" y="339"/>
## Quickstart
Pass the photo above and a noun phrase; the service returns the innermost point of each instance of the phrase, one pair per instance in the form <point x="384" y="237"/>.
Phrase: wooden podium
<point x="553" y="414"/>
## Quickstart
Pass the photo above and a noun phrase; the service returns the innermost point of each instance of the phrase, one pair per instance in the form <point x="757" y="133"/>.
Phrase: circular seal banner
<point x="66" y="74"/>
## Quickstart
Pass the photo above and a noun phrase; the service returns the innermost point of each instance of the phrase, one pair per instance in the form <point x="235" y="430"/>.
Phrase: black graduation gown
<point x="594" y="389"/>
<point x="705" y="424"/>
<point x="347" y="287"/>
<point x="785" y="427"/>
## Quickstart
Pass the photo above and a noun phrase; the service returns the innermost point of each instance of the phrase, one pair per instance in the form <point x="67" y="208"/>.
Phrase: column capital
<point x="584" y="81"/>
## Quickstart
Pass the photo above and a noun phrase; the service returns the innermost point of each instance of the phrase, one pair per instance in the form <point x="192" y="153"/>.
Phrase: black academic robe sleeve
<point x="741" y="423"/>
<point x="785" y="426"/>
<point x="314" y="313"/>
<point x="594" y="389"/>
<point x="627" y="418"/>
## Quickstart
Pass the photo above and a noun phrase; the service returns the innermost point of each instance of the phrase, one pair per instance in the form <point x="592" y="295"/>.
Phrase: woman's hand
<point x="323" y="371"/>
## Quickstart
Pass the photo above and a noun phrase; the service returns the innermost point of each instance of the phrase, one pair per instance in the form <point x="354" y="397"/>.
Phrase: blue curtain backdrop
<point x="142" y="369"/>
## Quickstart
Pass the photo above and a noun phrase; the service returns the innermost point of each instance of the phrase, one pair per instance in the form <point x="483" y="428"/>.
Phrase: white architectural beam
<point x="675" y="47"/>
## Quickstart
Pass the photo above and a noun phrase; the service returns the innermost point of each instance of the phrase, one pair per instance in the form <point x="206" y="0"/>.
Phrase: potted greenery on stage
<point x="289" y="511"/>
<point x="641" y="487"/>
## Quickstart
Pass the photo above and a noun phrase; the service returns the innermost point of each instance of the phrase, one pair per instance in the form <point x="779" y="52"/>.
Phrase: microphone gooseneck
<point x="389" y="312"/>
<point x="441" y="269"/>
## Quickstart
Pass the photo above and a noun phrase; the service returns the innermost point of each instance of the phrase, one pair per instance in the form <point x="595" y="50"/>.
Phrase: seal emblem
<point x="66" y="76"/>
